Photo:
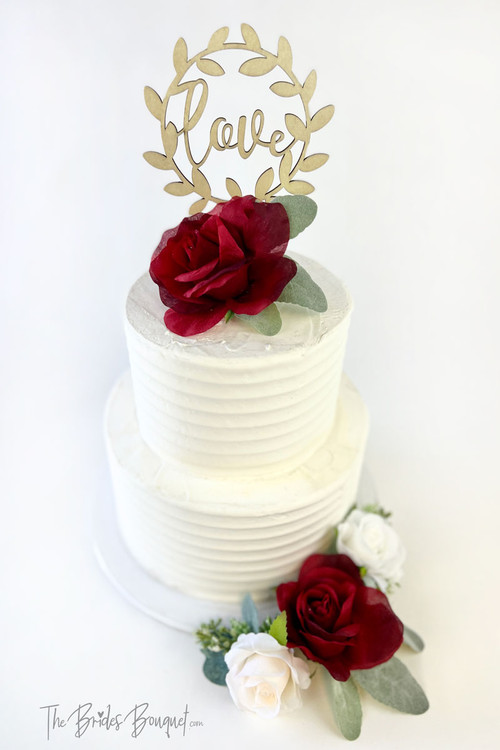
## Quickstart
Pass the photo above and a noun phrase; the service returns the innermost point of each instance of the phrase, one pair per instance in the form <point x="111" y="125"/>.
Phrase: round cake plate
<point x="168" y="605"/>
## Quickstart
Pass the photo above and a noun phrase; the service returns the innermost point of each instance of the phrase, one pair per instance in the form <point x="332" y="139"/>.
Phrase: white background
<point x="408" y="217"/>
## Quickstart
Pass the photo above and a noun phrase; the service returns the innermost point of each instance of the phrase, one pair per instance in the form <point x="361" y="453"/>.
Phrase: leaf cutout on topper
<point x="200" y="182"/>
<point x="296" y="127"/>
<point x="285" y="53"/>
<point x="170" y="139"/>
<point x="391" y="683"/>
<point x="283" y="88"/>
<point x="258" y="66"/>
<point x="160" y="161"/>
<point x="210" y="67"/>
<point x="264" y="183"/>
<point x="285" y="168"/>
<point x="178" y="188"/>
<point x="250" y="36"/>
<point x="322" y="117"/>
<point x="218" y="38"/>
<point x="302" y="290"/>
<point x="315" y="161"/>
<point x="299" y="187"/>
<point x="346" y="705"/>
<point x="309" y="86"/>
<point x="233" y="188"/>
<point x="180" y="56"/>
<point x="153" y="102"/>
<point x="267" y="322"/>
<point x="198" y="206"/>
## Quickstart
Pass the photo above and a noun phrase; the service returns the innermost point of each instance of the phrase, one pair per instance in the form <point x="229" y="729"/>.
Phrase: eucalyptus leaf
<point x="301" y="211"/>
<point x="250" y="614"/>
<point x="391" y="683"/>
<point x="278" y="629"/>
<point x="302" y="290"/>
<point x="267" y="322"/>
<point x="346" y="706"/>
<point x="215" y="668"/>
<point x="412" y="639"/>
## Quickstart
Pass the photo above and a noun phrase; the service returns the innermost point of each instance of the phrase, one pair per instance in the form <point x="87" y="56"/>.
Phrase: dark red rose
<point x="336" y="620"/>
<point x="228" y="259"/>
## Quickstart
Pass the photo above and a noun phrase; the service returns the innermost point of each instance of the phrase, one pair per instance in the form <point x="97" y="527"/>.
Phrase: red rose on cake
<point x="230" y="259"/>
<point x="336" y="620"/>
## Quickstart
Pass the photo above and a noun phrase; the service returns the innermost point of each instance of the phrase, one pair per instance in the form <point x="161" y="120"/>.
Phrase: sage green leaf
<point x="346" y="706"/>
<point x="215" y="668"/>
<point x="301" y="211"/>
<point x="250" y="614"/>
<point x="303" y="291"/>
<point x="278" y="629"/>
<point x="412" y="639"/>
<point x="267" y="322"/>
<point x="391" y="683"/>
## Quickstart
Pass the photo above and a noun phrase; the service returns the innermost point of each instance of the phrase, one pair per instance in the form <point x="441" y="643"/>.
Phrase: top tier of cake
<point x="232" y="400"/>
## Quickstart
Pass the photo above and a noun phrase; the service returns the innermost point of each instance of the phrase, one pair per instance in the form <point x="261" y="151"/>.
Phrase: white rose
<point x="264" y="676"/>
<point x="372" y="543"/>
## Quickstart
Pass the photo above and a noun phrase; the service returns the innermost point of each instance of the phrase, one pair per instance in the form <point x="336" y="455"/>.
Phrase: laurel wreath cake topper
<point x="285" y="175"/>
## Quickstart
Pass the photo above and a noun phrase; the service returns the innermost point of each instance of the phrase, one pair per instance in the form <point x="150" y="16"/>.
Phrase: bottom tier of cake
<point x="221" y="538"/>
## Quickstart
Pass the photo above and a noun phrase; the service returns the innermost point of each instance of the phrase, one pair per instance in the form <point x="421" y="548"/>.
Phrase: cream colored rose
<point x="372" y="543"/>
<point x="265" y="677"/>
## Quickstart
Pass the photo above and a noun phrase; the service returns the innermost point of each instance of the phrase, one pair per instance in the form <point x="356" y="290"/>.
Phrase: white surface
<point x="410" y="200"/>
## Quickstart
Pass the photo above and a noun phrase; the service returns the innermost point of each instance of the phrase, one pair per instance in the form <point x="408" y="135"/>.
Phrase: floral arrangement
<point x="231" y="262"/>
<point x="335" y="618"/>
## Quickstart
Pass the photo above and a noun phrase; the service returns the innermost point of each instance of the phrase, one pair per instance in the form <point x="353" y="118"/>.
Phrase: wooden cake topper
<point x="224" y="135"/>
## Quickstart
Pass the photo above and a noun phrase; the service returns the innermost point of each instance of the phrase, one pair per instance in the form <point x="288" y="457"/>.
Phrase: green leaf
<point x="391" y="683"/>
<point x="412" y="639"/>
<point x="250" y="614"/>
<point x="303" y="291"/>
<point x="278" y="629"/>
<point x="301" y="211"/>
<point x="215" y="668"/>
<point x="267" y="322"/>
<point x="346" y="706"/>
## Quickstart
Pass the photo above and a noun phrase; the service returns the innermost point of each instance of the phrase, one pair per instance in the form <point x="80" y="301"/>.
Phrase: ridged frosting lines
<point x="217" y="409"/>
<point x="217" y="539"/>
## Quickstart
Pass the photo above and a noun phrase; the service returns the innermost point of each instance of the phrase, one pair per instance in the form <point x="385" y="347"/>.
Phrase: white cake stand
<point x="166" y="604"/>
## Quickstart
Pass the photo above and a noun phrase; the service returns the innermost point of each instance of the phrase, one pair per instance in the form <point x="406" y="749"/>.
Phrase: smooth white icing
<point x="232" y="401"/>
<point x="220" y="538"/>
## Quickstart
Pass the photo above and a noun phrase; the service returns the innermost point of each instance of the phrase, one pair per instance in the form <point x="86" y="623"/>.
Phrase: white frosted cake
<point x="233" y="454"/>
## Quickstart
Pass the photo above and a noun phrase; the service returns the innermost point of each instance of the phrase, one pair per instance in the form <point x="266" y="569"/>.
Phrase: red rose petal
<point x="229" y="251"/>
<point x="198" y="273"/>
<point x="190" y="325"/>
<point x="267" y="279"/>
<point x="224" y="285"/>
<point x="336" y="620"/>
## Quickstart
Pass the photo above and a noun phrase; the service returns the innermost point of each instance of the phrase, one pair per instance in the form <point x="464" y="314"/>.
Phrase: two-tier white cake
<point x="233" y="454"/>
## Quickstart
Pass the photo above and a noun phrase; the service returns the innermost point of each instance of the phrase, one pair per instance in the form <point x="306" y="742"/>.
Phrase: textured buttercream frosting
<point x="232" y="402"/>
<point x="220" y="538"/>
